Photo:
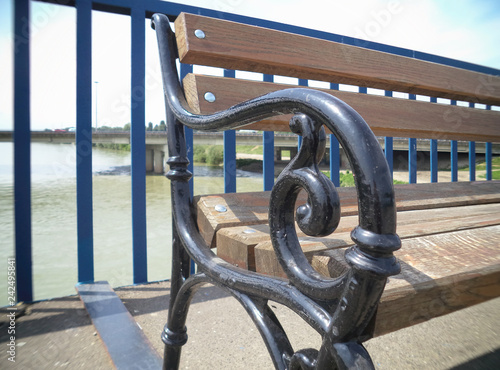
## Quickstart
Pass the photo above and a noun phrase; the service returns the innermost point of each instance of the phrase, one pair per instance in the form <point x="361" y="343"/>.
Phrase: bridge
<point x="156" y="143"/>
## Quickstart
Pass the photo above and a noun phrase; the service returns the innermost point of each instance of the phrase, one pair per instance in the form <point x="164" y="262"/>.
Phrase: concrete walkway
<point x="58" y="334"/>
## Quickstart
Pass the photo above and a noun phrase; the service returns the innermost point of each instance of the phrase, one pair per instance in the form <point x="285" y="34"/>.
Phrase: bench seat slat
<point x="440" y="274"/>
<point x="249" y="247"/>
<point x="232" y="45"/>
<point x="252" y="208"/>
<point x="386" y="116"/>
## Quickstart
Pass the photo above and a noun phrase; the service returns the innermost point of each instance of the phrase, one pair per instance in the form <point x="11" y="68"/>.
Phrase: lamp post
<point x="96" y="82"/>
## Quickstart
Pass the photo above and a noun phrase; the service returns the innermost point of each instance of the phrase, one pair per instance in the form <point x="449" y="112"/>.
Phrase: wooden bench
<point x="450" y="232"/>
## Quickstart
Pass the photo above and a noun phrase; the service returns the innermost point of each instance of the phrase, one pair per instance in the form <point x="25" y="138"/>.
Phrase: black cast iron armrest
<point x="340" y="309"/>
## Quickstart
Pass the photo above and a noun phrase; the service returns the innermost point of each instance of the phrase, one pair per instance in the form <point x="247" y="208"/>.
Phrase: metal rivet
<point x="220" y="208"/>
<point x="200" y="34"/>
<point x="209" y="97"/>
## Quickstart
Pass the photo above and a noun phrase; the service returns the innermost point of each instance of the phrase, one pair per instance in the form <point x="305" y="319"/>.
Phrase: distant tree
<point x="150" y="126"/>
<point x="163" y="126"/>
<point x="126" y="127"/>
<point x="157" y="128"/>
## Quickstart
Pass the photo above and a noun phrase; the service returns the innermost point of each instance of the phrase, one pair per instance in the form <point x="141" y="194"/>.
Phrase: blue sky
<point x="463" y="29"/>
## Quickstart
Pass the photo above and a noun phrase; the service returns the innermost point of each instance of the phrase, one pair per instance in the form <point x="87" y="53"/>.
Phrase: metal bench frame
<point x="340" y="309"/>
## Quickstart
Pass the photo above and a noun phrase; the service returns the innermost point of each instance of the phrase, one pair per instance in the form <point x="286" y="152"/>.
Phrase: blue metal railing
<point x="84" y="141"/>
<point x="138" y="11"/>
<point x="22" y="152"/>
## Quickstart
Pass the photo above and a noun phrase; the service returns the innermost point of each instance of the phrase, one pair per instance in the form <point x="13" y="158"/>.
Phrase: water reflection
<point x="198" y="170"/>
<point x="54" y="229"/>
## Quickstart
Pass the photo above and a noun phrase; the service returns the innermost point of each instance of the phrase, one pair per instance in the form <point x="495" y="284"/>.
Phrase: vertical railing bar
<point x="188" y="132"/>
<point x="472" y="161"/>
<point x="434" y="160"/>
<point x="302" y="82"/>
<point x="389" y="153"/>
<point x="229" y="151"/>
<point x="334" y="160"/>
<point x="472" y="155"/>
<point x="84" y="141"/>
<point x="454" y="155"/>
<point x="454" y="160"/>
<point x="188" y="136"/>
<point x="268" y="151"/>
<point x="389" y="144"/>
<point x="268" y="159"/>
<point x="489" y="157"/>
<point x="412" y="153"/>
<point x="334" y="151"/>
<point x="22" y="152"/>
<point x="138" y="144"/>
<point x="434" y="154"/>
<point x="412" y="160"/>
<point x="489" y="162"/>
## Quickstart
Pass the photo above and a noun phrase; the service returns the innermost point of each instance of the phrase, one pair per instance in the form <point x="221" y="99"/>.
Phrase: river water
<point x="54" y="216"/>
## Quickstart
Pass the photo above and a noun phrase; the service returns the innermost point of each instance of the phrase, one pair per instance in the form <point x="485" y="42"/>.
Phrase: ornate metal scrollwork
<point x="338" y="308"/>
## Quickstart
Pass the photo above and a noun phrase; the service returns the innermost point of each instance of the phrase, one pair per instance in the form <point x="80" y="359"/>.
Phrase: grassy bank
<point x="481" y="166"/>
<point x="112" y="146"/>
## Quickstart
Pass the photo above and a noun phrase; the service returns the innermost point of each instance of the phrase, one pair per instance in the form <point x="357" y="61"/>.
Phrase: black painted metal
<point x="341" y="308"/>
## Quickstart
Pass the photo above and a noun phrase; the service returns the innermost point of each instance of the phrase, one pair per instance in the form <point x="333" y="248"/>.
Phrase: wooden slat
<point x="440" y="274"/>
<point x="386" y="116"/>
<point x="252" y="208"/>
<point x="125" y="342"/>
<point x="248" y="209"/>
<point x="242" y="47"/>
<point x="410" y="224"/>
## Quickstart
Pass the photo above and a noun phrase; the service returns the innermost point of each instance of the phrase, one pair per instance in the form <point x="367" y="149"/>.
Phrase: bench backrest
<point x="237" y="46"/>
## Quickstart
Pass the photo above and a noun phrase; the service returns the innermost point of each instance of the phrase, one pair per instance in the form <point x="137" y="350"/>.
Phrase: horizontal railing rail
<point x="138" y="12"/>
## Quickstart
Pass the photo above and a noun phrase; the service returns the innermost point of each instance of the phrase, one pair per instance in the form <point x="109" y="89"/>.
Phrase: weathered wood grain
<point x="232" y="45"/>
<point x="248" y="209"/>
<point x="250" y="247"/>
<point x="440" y="274"/>
<point x="410" y="224"/>
<point x="386" y="116"/>
<point x="252" y="208"/>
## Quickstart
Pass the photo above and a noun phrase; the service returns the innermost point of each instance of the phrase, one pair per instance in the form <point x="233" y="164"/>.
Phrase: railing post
<point x="138" y="144"/>
<point x="334" y="152"/>
<point x="184" y="70"/>
<point x="434" y="154"/>
<point x="84" y="141"/>
<point x="489" y="162"/>
<point x="302" y="82"/>
<point x="472" y="156"/>
<point x="22" y="151"/>
<point x="389" y="145"/>
<point x="454" y="155"/>
<point x="412" y="161"/>
<point x="268" y="151"/>
<point x="489" y="157"/>
<point x="229" y="152"/>
<point x="412" y="154"/>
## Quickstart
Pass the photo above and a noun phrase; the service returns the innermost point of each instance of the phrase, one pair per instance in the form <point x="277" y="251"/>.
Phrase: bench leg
<point x="175" y="333"/>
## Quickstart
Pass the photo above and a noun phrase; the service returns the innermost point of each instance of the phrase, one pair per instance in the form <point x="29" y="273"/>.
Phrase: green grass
<point x="112" y="146"/>
<point x="209" y="154"/>
<point x="347" y="179"/>
<point x="495" y="175"/>
<point x="481" y="166"/>
<point x="213" y="154"/>
<point x="250" y="149"/>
